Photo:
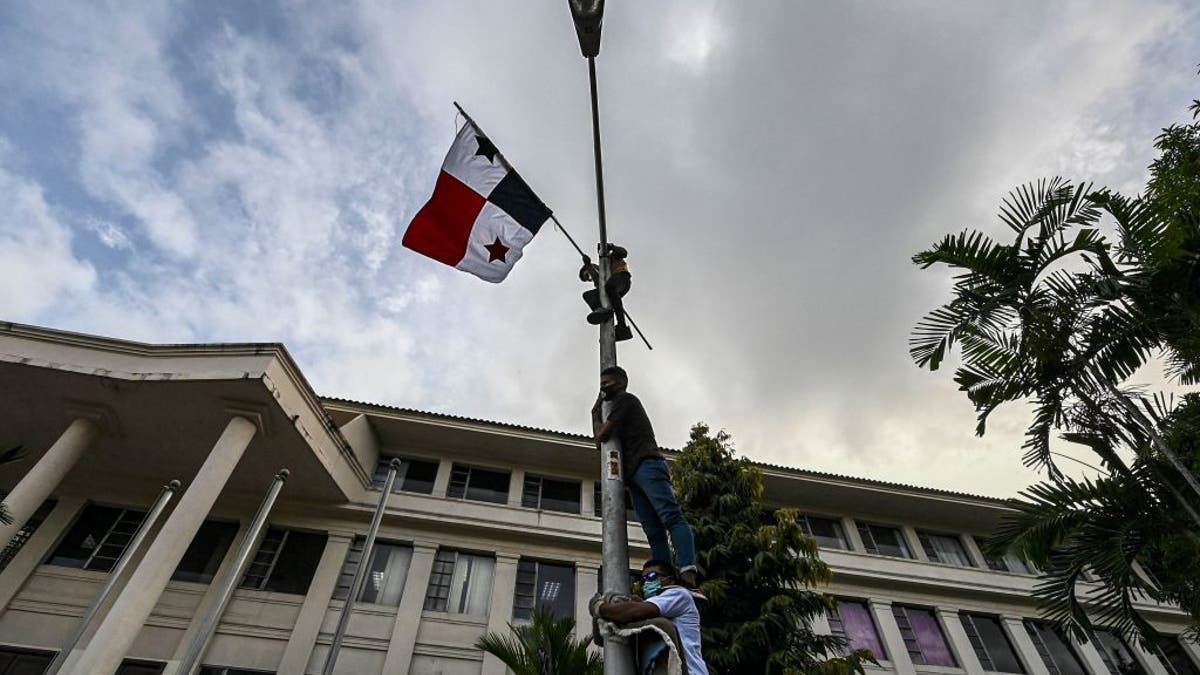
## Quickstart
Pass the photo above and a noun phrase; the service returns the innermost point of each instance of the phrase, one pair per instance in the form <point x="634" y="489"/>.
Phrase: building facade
<point x="485" y="521"/>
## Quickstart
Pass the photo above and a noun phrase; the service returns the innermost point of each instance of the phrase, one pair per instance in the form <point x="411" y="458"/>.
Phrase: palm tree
<point x="544" y="646"/>
<point x="1055" y="317"/>
<point x="1122" y="528"/>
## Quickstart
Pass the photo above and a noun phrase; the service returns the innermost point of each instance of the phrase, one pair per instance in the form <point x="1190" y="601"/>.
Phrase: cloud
<point x="243" y="172"/>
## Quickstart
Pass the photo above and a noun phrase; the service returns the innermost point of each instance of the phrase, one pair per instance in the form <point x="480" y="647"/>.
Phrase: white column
<point x="516" y="487"/>
<point x="46" y="474"/>
<point x="587" y="576"/>
<point x="1150" y="663"/>
<point x="913" y="543"/>
<point x="1192" y="648"/>
<point x="892" y="640"/>
<point x="26" y="562"/>
<point x="442" y="480"/>
<point x="408" y="615"/>
<point x="1090" y="657"/>
<point x="504" y="585"/>
<point x="852" y="535"/>
<point x="587" y="498"/>
<point x="974" y="552"/>
<point x="1024" y="645"/>
<point x="316" y="602"/>
<point x="959" y="642"/>
<point x="124" y="620"/>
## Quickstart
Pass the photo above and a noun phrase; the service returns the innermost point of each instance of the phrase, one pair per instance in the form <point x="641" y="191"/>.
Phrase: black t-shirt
<point x="631" y="426"/>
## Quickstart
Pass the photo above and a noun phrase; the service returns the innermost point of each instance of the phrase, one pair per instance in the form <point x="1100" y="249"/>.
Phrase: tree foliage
<point x="760" y="576"/>
<point x="1062" y="317"/>
<point x="544" y="646"/>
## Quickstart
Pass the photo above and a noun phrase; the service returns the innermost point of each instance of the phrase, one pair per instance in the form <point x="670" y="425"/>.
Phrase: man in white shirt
<point x="665" y="598"/>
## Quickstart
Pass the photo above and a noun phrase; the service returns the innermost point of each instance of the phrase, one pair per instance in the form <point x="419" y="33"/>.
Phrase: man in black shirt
<point x="646" y="474"/>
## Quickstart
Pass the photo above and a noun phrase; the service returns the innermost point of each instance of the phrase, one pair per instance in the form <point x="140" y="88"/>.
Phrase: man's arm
<point x="628" y="611"/>
<point x="604" y="431"/>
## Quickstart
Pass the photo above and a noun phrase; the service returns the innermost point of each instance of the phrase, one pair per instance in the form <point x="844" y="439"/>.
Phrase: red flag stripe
<point x="442" y="228"/>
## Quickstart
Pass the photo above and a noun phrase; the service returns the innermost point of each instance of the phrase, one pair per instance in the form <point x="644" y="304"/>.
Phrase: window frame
<point x="522" y="613"/>
<point x="861" y="525"/>
<point x="441" y="577"/>
<point x="266" y="582"/>
<point x="837" y="626"/>
<point x="979" y="644"/>
<point x="1034" y="629"/>
<point x="402" y="480"/>
<point x="540" y="496"/>
<point x="341" y="591"/>
<point x="466" y="487"/>
<point x="925" y="539"/>
<point x="804" y="520"/>
<point x="916" y="652"/>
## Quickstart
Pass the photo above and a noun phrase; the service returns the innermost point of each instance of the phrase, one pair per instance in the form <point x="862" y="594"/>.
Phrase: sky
<point x="232" y="171"/>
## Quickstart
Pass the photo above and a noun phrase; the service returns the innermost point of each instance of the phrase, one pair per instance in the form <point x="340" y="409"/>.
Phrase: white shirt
<point x="677" y="604"/>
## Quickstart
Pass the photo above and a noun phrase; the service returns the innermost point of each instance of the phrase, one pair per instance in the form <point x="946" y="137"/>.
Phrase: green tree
<point x="1123" y="528"/>
<point x="759" y="576"/>
<point x="544" y="646"/>
<point x="1063" y="318"/>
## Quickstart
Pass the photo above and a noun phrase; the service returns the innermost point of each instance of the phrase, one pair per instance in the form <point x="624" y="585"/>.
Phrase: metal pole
<point x="618" y="656"/>
<point x="191" y="658"/>
<point x="361" y="573"/>
<point x="110" y="582"/>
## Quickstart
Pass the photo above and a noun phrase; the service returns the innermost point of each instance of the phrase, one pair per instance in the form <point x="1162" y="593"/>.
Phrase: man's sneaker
<point x="599" y="316"/>
<point x="624" y="333"/>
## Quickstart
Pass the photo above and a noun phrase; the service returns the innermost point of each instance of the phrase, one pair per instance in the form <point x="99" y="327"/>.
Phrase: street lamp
<point x="588" y="15"/>
<point x="618" y="656"/>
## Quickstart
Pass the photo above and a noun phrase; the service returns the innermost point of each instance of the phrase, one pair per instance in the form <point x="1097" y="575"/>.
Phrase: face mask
<point x="651" y="588"/>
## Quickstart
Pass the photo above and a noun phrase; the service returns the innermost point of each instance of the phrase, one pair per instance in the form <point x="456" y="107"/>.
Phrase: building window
<point x="827" y="531"/>
<point x="883" y="540"/>
<point x="1115" y="653"/>
<point x="218" y="670"/>
<point x="853" y="622"/>
<point x="598" y="504"/>
<point x="1009" y="563"/>
<point x="132" y="667"/>
<point x="1175" y="658"/>
<point x="544" y="585"/>
<point x="991" y="643"/>
<point x="415" y="475"/>
<point x="23" y="661"/>
<point x="944" y="548"/>
<point x="384" y="584"/>
<point x="461" y="583"/>
<point x="550" y="494"/>
<point x="285" y="561"/>
<point x="204" y="555"/>
<point x="1055" y="650"/>
<point x="923" y="636"/>
<point x="18" y="540"/>
<point x="481" y="485"/>
<point x="97" y="539"/>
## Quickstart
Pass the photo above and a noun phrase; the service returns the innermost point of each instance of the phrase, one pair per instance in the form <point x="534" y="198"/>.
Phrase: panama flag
<point x="481" y="214"/>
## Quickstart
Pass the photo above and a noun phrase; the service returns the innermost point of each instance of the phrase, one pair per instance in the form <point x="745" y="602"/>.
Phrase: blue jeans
<point x="655" y="505"/>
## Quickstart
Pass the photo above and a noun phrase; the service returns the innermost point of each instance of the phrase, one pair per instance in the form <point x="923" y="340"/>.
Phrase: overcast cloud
<point x="231" y="171"/>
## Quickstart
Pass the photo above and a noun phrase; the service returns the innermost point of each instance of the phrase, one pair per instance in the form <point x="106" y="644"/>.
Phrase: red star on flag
<point x="496" y="251"/>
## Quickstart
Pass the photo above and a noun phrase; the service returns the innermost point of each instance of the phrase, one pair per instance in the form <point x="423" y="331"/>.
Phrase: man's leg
<point x="617" y="286"/>
<point x="654" y="479"/>
<point x="656" y="532"/>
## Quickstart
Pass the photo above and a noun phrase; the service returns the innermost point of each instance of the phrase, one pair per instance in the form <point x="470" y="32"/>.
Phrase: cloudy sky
<point x="233" y="171"/>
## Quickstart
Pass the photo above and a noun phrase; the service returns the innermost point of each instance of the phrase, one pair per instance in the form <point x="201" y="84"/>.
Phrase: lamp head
<point x="588" y="15"/>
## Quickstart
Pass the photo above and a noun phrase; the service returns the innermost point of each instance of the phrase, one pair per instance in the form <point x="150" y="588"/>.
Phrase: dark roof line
<point x="581" y="437"/>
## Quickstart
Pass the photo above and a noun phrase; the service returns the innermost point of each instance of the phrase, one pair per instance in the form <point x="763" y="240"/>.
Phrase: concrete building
<point x="486" y="520"/>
